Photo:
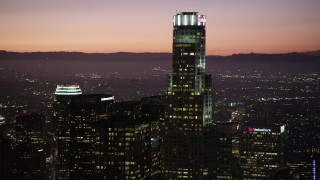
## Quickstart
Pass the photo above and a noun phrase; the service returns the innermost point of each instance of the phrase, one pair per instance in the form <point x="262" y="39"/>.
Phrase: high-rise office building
<point x="128" y="138"/>
<point x="87" y="114"/>
<point x="152" y="109"/>
<point x="261" y="150"/>
<point x="61" y="124"/>
<point x="302" y="150"/>
<point x="227" y="149"/>
<point x="185" y="140"/>
<point x="6" y="156"/>
<point x="30" y="147"/>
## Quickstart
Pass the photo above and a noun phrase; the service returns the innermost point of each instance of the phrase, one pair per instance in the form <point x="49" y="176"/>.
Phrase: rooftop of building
<point x="126" y="113"/>
<point x="68" y="90"/>
<point x="188" y="13"/>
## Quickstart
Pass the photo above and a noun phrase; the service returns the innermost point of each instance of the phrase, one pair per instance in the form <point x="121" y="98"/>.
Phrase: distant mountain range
<point x="314" y="53"/>
<point x="311" y="56"/>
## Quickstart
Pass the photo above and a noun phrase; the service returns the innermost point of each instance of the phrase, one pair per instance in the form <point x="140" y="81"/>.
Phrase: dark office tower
<point x="128" y="143"/>
<point x="30" y="143"/>
<point x="189" y="112"/>
<point x="87" y="113"/>
<point x="61" y="123"/>
<point x="261" y="150"/>
<point x="152" y="109"/>
<point x="6" y="156"/>
<point x="302" y="145"/>
<point x="227" y="147"/>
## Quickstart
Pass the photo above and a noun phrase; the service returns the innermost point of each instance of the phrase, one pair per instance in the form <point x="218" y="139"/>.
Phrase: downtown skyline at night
<point x="140" y="26"/>
<point x="159" y="90"/>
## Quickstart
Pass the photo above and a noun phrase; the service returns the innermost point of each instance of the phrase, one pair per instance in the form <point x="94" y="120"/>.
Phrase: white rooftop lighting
<point x="68" y="90"/>
<point x="189" y="19"/>
<point x="107" y="98"/>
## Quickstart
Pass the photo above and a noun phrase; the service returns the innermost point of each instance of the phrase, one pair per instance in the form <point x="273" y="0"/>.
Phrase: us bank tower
<point x="186" y="132"/>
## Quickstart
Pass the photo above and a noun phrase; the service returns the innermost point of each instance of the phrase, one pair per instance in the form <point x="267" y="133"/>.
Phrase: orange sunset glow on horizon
<point x="146" y="26"/>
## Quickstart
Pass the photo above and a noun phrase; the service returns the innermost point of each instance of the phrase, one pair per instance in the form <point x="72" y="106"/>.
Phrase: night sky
<point x="238" y="26"/>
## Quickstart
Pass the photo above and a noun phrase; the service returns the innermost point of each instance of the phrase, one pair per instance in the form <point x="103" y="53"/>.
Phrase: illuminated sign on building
<point x="250" y="129"/>
<point x="282" y="128"/>
<point x="202" y="19"/>
<point x="107" y="99"/>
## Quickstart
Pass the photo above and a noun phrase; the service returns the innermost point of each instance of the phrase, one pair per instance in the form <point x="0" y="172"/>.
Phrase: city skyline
<point x="140" y="116"/>
<point x="235" y="27"/>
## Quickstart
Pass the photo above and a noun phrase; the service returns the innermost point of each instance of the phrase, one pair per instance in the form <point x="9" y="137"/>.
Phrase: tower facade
<point x="261" y="150"/>
<point x="128" y="139"/>
<point x="227" y="151"/>
<point x="185" y="133"/>
<point x="61" y="122"/>
<point x="87" y="114"/>
<point x="30" y="156"/>
<point x="188" y="81"/>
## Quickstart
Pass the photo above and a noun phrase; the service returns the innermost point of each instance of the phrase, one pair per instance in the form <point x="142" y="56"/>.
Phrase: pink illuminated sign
<point x="202" y="19"/>
<point x="250" y="129"/>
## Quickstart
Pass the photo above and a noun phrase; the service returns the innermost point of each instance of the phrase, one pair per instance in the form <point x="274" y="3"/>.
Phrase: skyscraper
<point x="6" y="156"/>
<point x="61" y="122"/>
<point x="128" y="142"/>
<point x="185" y="134"/>
<point x="30" y="147"/>
<point x="87" y="114"/>
<point x="261" y="150"/>
<point x="227" y="148"/>
<point x="152" y="109"/>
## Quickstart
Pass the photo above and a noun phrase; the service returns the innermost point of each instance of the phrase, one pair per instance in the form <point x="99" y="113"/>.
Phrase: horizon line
<point x="57" y="51"/>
